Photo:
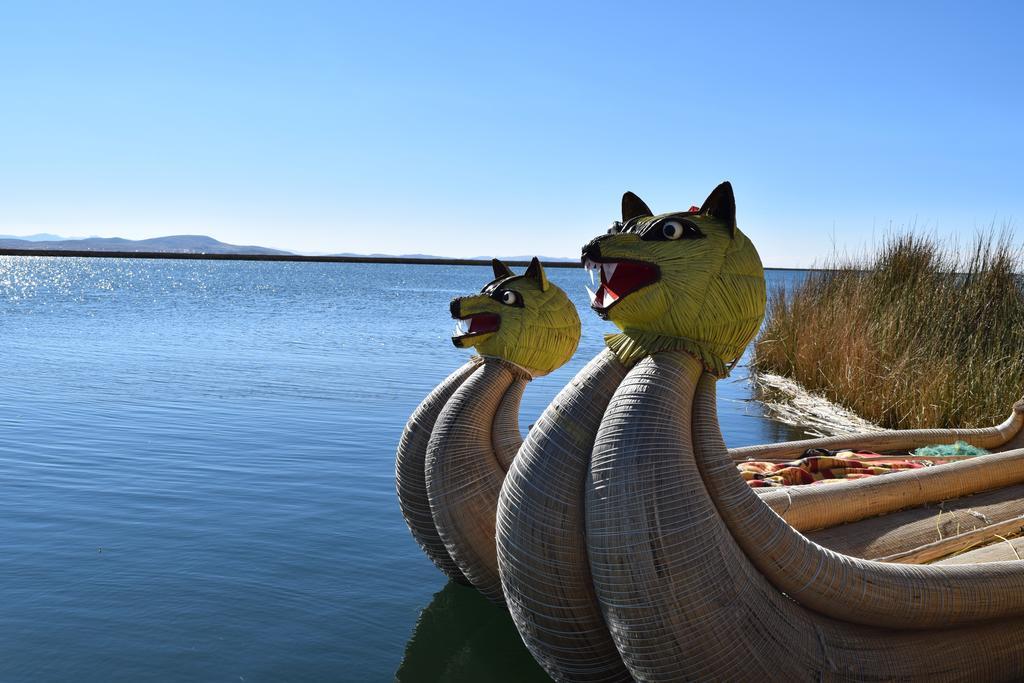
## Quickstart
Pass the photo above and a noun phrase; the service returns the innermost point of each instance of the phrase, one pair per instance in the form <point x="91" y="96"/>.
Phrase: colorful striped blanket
<point x="821" y="469"/>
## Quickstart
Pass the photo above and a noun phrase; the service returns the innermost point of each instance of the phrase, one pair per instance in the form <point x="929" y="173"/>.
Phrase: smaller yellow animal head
<point x="684" y="280"/>
<point x="523" y="319"/>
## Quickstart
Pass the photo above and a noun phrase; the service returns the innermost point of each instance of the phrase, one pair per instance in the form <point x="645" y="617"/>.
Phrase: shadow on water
<point x="460" y="636"/>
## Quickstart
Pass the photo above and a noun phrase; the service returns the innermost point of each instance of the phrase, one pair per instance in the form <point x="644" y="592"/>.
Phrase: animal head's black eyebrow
<point x="632" y="223"/>
<point x="493" y="284"/>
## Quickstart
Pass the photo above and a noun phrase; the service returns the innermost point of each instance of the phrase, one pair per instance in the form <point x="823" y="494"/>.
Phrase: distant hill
<point x="40" y="237"/>
<point x="546" y="259"/>
<point x="182" y="244"/>
<point x="201" y="244"/>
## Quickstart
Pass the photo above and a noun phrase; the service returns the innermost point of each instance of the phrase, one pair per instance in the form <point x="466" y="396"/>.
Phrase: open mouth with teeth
<point x="472" y="326"/>
<point x="617" y="279"/>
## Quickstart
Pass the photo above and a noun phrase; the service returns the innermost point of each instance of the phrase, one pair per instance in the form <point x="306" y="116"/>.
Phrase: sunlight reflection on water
<point x="198" y="464"/>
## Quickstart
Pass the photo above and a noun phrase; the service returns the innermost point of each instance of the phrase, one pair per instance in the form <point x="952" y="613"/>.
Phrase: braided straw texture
<point x="541" y="335"/>
<point x="541" y="543"/>
<point x="410" y="477"/>
<point x="506" y="437"/>
<point x="684" y="599"/>
<point x="464" y="476"/>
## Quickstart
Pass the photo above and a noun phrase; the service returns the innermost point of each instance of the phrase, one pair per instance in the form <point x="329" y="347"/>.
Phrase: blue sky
<point x="470" y="129"/>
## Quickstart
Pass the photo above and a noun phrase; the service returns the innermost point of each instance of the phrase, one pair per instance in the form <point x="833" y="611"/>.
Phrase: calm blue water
<point x="196" y="472"/>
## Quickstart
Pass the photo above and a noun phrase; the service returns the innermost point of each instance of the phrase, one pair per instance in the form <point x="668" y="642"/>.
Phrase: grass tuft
<point x="919" y="334"/>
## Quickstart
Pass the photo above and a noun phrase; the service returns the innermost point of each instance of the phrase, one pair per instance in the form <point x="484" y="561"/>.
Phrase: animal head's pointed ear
<point x="633" y="207"/>
<point x="721" y="204"/>
<point x="536" y="271"/>
<point x="500" y="269"/>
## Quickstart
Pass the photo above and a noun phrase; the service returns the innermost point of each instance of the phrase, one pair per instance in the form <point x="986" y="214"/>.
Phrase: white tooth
<point x="593" y="295"/>
<point x="609" y="270"/>
<point x="593" y="276"/>
<point x="610" y="295"/>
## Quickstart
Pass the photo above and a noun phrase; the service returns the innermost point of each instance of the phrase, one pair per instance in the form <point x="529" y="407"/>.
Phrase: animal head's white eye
<point x="509" y="298"/>
<point x="672" y="230"/>
<point x="615" y="227"/>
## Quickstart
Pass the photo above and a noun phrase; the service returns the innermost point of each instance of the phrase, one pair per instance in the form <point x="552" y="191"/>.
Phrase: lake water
<point x="197" y="472"/>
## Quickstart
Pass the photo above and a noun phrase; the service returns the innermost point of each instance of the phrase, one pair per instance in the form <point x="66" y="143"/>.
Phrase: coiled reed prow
<point x="630" y="547"/>
<point x="461" y="440"/>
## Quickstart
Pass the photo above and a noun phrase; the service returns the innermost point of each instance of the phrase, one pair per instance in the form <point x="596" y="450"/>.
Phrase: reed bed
<point x="918" y="334"/>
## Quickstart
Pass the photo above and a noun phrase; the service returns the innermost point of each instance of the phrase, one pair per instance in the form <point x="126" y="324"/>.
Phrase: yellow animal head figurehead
<point x="687" y="281"/>
<point x="523" y="319"/>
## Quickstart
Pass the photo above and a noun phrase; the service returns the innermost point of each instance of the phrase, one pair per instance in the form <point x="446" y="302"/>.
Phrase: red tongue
<point x="485" y="322"/>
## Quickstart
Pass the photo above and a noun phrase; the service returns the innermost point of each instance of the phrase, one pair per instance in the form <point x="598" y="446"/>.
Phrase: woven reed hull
<point x="696" y="578"/>
<point x="693" y="570"/>
<point x="410" y="475"/>
<point x="847" y="588"/>
<point x="464" y="474"/>
<point x="903" y="531"/>
<point x="541" y="542"/>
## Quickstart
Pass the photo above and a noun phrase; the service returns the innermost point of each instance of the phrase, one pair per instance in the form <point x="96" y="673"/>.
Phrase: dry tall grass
<point x="913" y="336"/>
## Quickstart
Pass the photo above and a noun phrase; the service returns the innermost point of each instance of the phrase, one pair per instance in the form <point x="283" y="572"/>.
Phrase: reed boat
<point x="631" y="548"/>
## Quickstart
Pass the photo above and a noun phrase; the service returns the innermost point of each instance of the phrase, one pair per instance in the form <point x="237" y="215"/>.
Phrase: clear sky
<point x="475" y="129"/>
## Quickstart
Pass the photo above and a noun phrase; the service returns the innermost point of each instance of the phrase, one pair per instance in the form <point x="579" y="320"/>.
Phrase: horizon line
<point x="201" y="256"/>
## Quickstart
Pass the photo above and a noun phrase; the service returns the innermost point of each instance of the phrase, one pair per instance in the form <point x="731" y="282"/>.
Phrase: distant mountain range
<point x="196" y="244"/>
<point x="40" y="237"/>
<point x="182" y="244"/>
<point x="546" y="259"/>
